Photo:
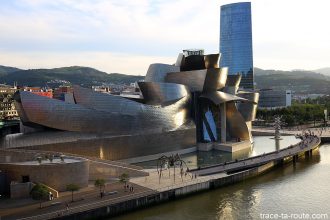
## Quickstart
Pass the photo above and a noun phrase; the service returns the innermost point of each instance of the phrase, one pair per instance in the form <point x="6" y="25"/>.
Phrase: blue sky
<point x="125" y="36"/>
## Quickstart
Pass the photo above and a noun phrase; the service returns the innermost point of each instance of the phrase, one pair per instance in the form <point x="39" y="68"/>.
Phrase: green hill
<point x="299" y="81"/>
<point x="4" y="70"/>
<point x="84" y="76"/>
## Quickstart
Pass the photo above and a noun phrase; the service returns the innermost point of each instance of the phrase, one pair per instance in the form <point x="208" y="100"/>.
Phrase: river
<point x="291" y="190"/>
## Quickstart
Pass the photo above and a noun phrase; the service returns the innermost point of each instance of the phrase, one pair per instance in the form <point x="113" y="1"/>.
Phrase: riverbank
<point x="169" y="188"/>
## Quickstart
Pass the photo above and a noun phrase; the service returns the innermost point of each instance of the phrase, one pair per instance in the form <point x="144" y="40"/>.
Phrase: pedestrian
<point x="67" y="206"/>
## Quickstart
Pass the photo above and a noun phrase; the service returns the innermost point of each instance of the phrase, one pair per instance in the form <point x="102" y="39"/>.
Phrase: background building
<point x="236" y="41"/>
<point x="275" y="98"/>
<point x="189" y="52"/>
<point x="7" y="107"/>
<point x="40" y="91"/>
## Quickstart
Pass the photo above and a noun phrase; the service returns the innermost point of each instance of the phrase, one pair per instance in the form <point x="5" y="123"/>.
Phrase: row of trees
<point x="296" y="114"/>
<point x="40" y="192"/>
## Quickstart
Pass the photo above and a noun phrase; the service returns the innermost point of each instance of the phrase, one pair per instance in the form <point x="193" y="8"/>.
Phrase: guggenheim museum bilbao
<point x="182" y="105"/>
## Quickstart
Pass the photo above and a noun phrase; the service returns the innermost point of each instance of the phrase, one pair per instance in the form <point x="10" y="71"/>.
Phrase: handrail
<point x="276" y="154"/>
<point x="150" y="192"/>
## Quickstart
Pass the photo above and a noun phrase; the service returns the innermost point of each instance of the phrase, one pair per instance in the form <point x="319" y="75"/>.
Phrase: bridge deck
<point x="307" y="144"/>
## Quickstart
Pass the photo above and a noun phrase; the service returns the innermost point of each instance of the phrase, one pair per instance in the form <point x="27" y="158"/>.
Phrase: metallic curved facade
<point x="218" y="97"/>
<point x="212" y="61"/>
<point x="248" y="109"/>
<point x="236" y="123"/>
<point x="162" y="93"/>
<point x="157" y="72"/>
<point x="215" y="79"/>
<point x="175" y="103"/>
<point x="94" y="109"/>
<point x="200" y="80"/>
<point x="232" y="84"/>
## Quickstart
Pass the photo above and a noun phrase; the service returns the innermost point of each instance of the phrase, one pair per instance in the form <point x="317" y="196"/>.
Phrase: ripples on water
<point x="300" y="188"/>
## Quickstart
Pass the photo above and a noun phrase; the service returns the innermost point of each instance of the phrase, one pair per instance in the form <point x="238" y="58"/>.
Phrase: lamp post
<point x="325" y="116"/>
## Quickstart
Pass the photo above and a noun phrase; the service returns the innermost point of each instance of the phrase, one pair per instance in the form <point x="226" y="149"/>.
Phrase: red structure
<point x="42" y="92"/>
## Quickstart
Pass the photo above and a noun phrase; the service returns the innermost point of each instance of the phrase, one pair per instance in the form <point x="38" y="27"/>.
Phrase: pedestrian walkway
<point x="83" y="201"/>
<point x="308" y="143"/>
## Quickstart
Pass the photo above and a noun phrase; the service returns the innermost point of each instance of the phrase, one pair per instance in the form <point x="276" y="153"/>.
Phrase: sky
<point x="125" y="36"/>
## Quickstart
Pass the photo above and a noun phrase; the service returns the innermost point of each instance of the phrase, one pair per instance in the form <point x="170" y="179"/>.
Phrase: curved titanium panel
<point x="194" y="79"/>
<point x="143" y="116"/>
<point x="200" y="80"/>
<point x="211" y="61"/>
<point x="236" y="123"/>
<point x="249" y="109"/>
<point x="232" y="84"/>
<point x="157" y="72"/>
<point x="215" y="79"/>
<point x="179" y="60"/>
<point x="101" y="114"/>
<point x="162" y="93"/>
<point x="218" y="97"/>
<point x="251" y="96"/>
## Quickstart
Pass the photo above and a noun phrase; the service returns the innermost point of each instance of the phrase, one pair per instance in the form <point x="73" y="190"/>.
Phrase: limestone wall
<point x="56" y="175"/>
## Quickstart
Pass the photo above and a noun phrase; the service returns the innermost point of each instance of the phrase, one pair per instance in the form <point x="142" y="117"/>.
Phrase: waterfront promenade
<point x="152" y="190"/>
<point x="85" y="199"/>
<point x="306" y="145"/>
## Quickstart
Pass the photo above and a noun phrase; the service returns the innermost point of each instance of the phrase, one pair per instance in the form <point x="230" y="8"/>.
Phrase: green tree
<point x="124" y="178"/>
<point x="72" y="187"/>
<point x="100" y="183"/>
<point x="39" y="192"/>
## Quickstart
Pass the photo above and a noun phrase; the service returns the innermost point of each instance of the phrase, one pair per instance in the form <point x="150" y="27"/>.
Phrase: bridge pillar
<point x="223" y="128"/>
<point x="295" y="158"/>
<point x="307" y="153"/>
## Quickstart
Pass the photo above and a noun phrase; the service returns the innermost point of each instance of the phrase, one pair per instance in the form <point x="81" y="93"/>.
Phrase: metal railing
<point x="201" y="179"/>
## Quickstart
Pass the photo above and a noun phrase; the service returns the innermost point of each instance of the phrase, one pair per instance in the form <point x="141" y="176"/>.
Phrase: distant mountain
<point x="78" y="75"/>
<point x="325" y="71"/>
<point x="4" y="70"/>
<point x="299" y="81"/>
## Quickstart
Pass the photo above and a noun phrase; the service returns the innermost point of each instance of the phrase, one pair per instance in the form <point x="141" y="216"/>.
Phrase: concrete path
<point x="167" y="181"/>
<point x="83" y="201"/>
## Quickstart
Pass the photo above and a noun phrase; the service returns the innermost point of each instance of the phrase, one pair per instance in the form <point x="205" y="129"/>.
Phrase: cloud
<point x="287" y="34"/>
<point x="155" y="26"/>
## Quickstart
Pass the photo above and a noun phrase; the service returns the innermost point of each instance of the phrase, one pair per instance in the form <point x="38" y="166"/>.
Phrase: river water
<point x="291" y="190"/>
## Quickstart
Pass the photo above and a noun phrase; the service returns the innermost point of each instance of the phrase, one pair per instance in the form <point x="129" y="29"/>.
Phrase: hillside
<point x="299" y="81"/>
<point x="4" y="70"/>
<point x="324" y="71"/>
<point x="84" y="76"/>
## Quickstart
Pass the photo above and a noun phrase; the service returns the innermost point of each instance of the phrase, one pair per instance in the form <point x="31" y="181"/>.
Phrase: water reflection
<point x="303" y="188"/>
<point x="201" y="158"/>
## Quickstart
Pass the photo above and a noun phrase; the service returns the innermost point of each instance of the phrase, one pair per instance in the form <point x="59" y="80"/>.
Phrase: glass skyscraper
<point x="236" y="41"/>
